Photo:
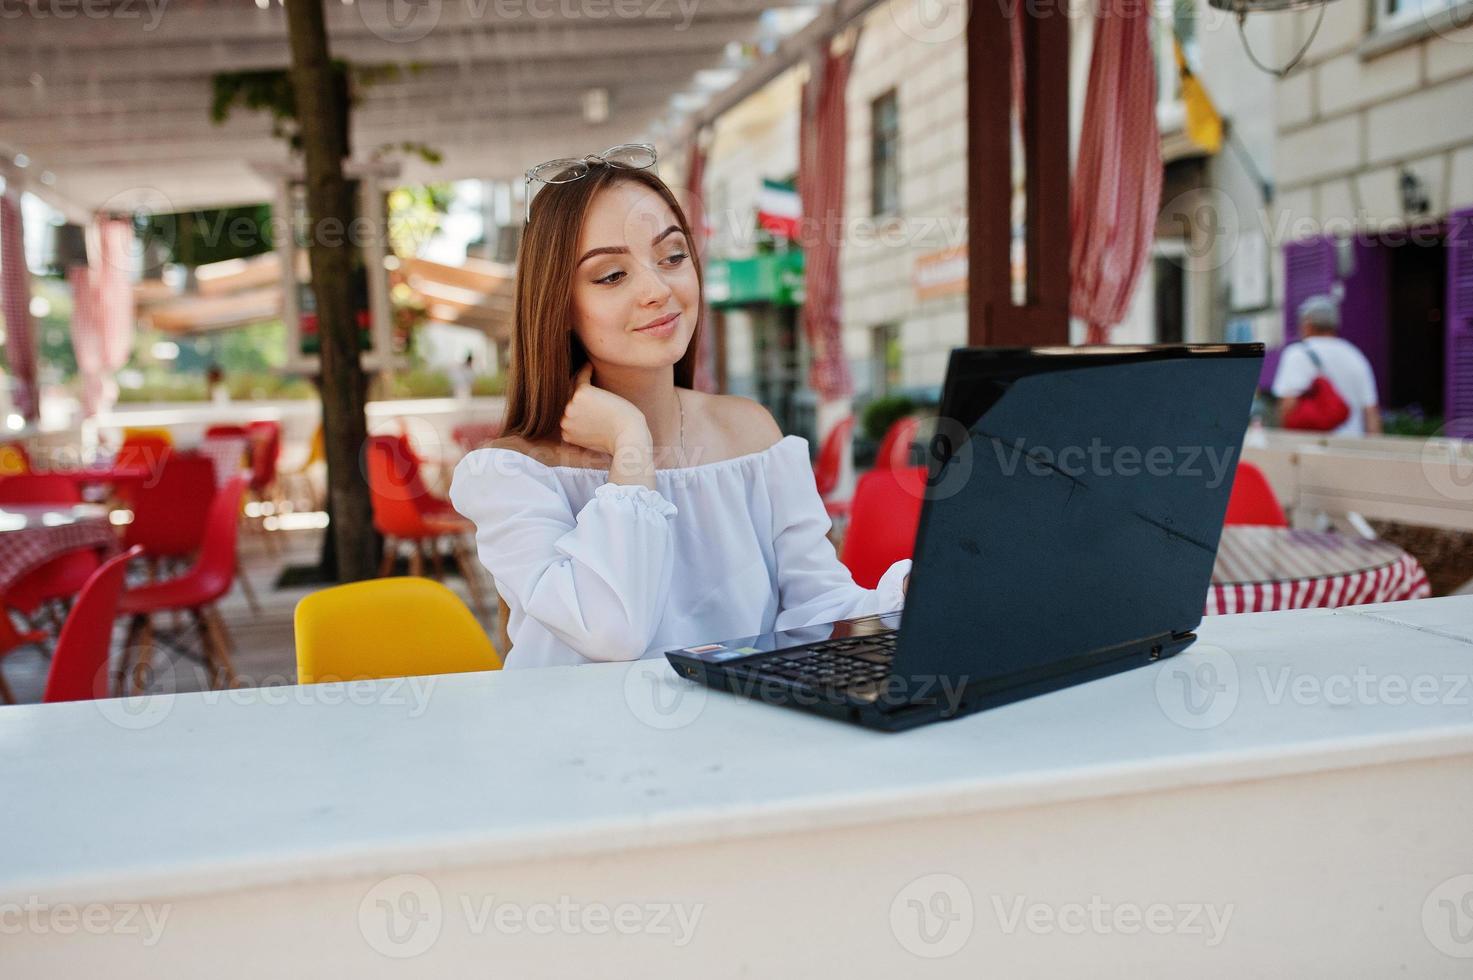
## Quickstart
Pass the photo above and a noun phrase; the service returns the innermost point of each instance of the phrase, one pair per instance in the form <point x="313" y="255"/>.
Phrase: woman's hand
<point x="600" y="420"/>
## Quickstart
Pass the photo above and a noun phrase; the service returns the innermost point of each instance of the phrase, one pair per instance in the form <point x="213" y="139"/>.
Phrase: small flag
<point x="1204" y="125"/>
<point x="778" y="209"/>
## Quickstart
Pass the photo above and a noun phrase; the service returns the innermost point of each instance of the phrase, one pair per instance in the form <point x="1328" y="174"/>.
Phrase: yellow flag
<point x="1204" y="125"/>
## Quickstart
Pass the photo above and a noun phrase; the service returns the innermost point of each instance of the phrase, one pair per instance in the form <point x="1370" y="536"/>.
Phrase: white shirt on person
<point x="597" y="571"/>
<point x="1345" y="366"/>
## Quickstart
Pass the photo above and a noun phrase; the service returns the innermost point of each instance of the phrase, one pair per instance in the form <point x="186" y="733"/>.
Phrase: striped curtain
<point x="695" y="214"/>
<point x="102" y="311"/>
<point x="1117" y="179"/>
<point x="15" y="303"/>
<point x="822" y="141"/>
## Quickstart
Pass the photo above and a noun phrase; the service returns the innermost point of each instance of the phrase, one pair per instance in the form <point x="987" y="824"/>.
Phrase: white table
<point x="1106" y="830"/>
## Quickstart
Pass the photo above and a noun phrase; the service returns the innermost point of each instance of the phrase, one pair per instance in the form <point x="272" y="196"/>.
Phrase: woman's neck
<point x="650" y="391"/>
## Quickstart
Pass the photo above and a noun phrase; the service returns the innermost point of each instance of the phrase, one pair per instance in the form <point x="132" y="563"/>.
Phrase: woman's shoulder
<point x="745" y="426"/>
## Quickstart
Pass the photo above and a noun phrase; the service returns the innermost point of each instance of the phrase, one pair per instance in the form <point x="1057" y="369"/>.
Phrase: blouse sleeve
<point x="598" y="581"/>
<point x="813" y="585"/>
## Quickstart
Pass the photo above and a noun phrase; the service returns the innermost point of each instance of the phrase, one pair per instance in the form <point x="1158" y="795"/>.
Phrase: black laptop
<point x="1073" y="503"/>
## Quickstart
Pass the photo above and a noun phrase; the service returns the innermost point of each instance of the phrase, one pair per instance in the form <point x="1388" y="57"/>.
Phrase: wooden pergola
<point x="113" y="112"/>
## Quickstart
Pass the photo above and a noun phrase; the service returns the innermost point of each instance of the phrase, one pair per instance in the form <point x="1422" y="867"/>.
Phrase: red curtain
<point x="821" y="150"/>
<point x="695" y="213"/>
<point x="15" y="302"/>
<point x="102" y="311"/>
<point x="1117" y="179"/>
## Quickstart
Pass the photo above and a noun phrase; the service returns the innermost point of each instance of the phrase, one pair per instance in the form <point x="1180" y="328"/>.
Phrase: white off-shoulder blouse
<point x="596" y="571"/>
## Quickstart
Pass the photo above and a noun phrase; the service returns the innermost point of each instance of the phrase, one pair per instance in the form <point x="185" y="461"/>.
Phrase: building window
<point x="884" y="116"/>
<point x="884" y="359"/>
<point x="1391" y="14"/>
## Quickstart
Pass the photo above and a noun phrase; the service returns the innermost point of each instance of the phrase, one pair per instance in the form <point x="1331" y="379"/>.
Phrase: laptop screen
<point x="1075" y="502"/>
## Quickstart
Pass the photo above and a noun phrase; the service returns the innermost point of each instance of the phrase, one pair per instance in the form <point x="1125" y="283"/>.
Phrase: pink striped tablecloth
<point x="1259" y="569"/>
<point x="32" y="536"/>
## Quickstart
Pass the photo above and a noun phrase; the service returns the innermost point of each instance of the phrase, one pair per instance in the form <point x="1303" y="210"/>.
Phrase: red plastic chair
<point x="894" y="451"/>
<point x="169" y="516"/>
<point x="226" y="431"/>
<point x="142" y="451"/>
<point x="196" y="591"/>
<point x="404" y="511"/>
<point x="63" y="576"/>
<point x="473" y="435"/>
<point x="265" y="448"/>
<point x="79" y="666"/>
<point x="883" y="521"/>
<point x="831" y="456"/>
<point x="1253" y="500"/>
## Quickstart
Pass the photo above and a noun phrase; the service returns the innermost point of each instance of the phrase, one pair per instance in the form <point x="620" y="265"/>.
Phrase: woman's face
<point x="635" y="269"/>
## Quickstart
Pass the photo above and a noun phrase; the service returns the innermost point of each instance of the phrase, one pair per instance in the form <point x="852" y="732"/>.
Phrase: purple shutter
<point x="1364" y="310"/>
<point x="1309" y="269"/>
<point x="1458" y="397"/>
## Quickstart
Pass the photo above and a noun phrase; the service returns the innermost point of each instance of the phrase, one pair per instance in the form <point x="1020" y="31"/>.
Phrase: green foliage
<point x="884" y="412"/>
<point x="195" y="238"/>
<point x="162" y="385"/>
<point x="1411" y="422"/>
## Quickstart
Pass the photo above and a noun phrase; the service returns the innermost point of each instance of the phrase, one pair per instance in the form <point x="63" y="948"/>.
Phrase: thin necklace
<point x="681" y="402"/>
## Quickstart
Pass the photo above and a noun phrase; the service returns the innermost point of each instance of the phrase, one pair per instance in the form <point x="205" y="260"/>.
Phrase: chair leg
<point x="416" y="559"/>
<point x="433" y="544"/>
<point x="246" y="587"/>
<point x="387" y="565"/>
<point x="468" y="572"/>
<point x="143" y="644"/>
<point x="210" y="620"/>
<point x="6" y="694"/>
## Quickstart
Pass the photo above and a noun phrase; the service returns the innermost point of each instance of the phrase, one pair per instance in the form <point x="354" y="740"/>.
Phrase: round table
<point x="1264" y="568"/>
<point x="32" y="535"/>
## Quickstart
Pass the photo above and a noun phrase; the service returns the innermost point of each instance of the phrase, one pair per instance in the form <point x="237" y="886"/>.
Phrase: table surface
<point x="1249" y="553"/>
<point x="27" y="517"/>
<point x="211" y="792"/>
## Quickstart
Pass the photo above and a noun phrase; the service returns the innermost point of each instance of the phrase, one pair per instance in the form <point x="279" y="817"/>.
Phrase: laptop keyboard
<point x="834" y="665"/>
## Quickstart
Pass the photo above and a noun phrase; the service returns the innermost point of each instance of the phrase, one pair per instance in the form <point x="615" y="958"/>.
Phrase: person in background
<point x="215" y="384"/>
<point x="463" y="378"/>
<point x="1340" y="361"/>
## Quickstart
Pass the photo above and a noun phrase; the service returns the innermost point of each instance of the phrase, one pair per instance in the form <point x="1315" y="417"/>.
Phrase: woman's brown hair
<point x="546" y="354"/>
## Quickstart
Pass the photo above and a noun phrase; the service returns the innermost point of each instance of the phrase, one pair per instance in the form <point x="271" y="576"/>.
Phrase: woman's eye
<point x="674" y="258"/>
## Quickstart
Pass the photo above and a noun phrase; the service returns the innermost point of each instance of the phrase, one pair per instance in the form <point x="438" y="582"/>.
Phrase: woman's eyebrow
<point x="620" y="249"/>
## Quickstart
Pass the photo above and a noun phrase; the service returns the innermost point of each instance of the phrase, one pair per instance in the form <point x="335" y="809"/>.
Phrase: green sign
<point x="774" y="278"/>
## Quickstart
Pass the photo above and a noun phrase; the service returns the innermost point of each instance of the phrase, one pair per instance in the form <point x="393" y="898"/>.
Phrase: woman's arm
<point x="599" y="581"/>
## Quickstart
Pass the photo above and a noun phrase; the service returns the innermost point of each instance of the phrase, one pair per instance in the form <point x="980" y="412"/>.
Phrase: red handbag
<point x="1320" y="408"/>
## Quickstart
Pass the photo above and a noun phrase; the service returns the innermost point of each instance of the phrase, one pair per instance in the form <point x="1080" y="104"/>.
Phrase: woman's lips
<point x="662" y="329"/>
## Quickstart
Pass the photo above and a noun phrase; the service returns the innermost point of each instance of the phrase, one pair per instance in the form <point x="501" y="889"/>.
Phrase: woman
<point x="623" y="513"/>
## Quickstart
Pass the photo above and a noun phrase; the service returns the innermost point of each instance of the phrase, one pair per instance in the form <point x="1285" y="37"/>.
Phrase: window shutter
<point x="1309" y="269"/>
<point x="1458" y="397"/>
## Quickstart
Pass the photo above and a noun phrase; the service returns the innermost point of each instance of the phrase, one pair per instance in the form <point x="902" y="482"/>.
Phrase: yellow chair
<point x="13" y="460"/>
<point x="388" y="627"/>
<point x="133" y="433"/>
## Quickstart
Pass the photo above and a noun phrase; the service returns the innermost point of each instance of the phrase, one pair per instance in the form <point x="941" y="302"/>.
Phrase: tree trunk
<point x="322" y="116"/>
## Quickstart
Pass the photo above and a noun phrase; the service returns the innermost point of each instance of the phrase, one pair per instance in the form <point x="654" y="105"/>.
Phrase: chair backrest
<point x="144" y="450"/>
<point x="395" y="489"/>
<point x="79" y="665"/>
<point x="265" y="448"/>
<point x="830" y="464"/>
<point x="1253" y="500"/>
<point x="894" y="451"/>
<point x="170" y="513"/>
<point x="215" y="566"/>
<point x="39" y="488"/>
<point x="14" y="460"/>
<point x="388" y="627"/>
<point x="883" y="521"/>
<point x="473" y="435"/>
